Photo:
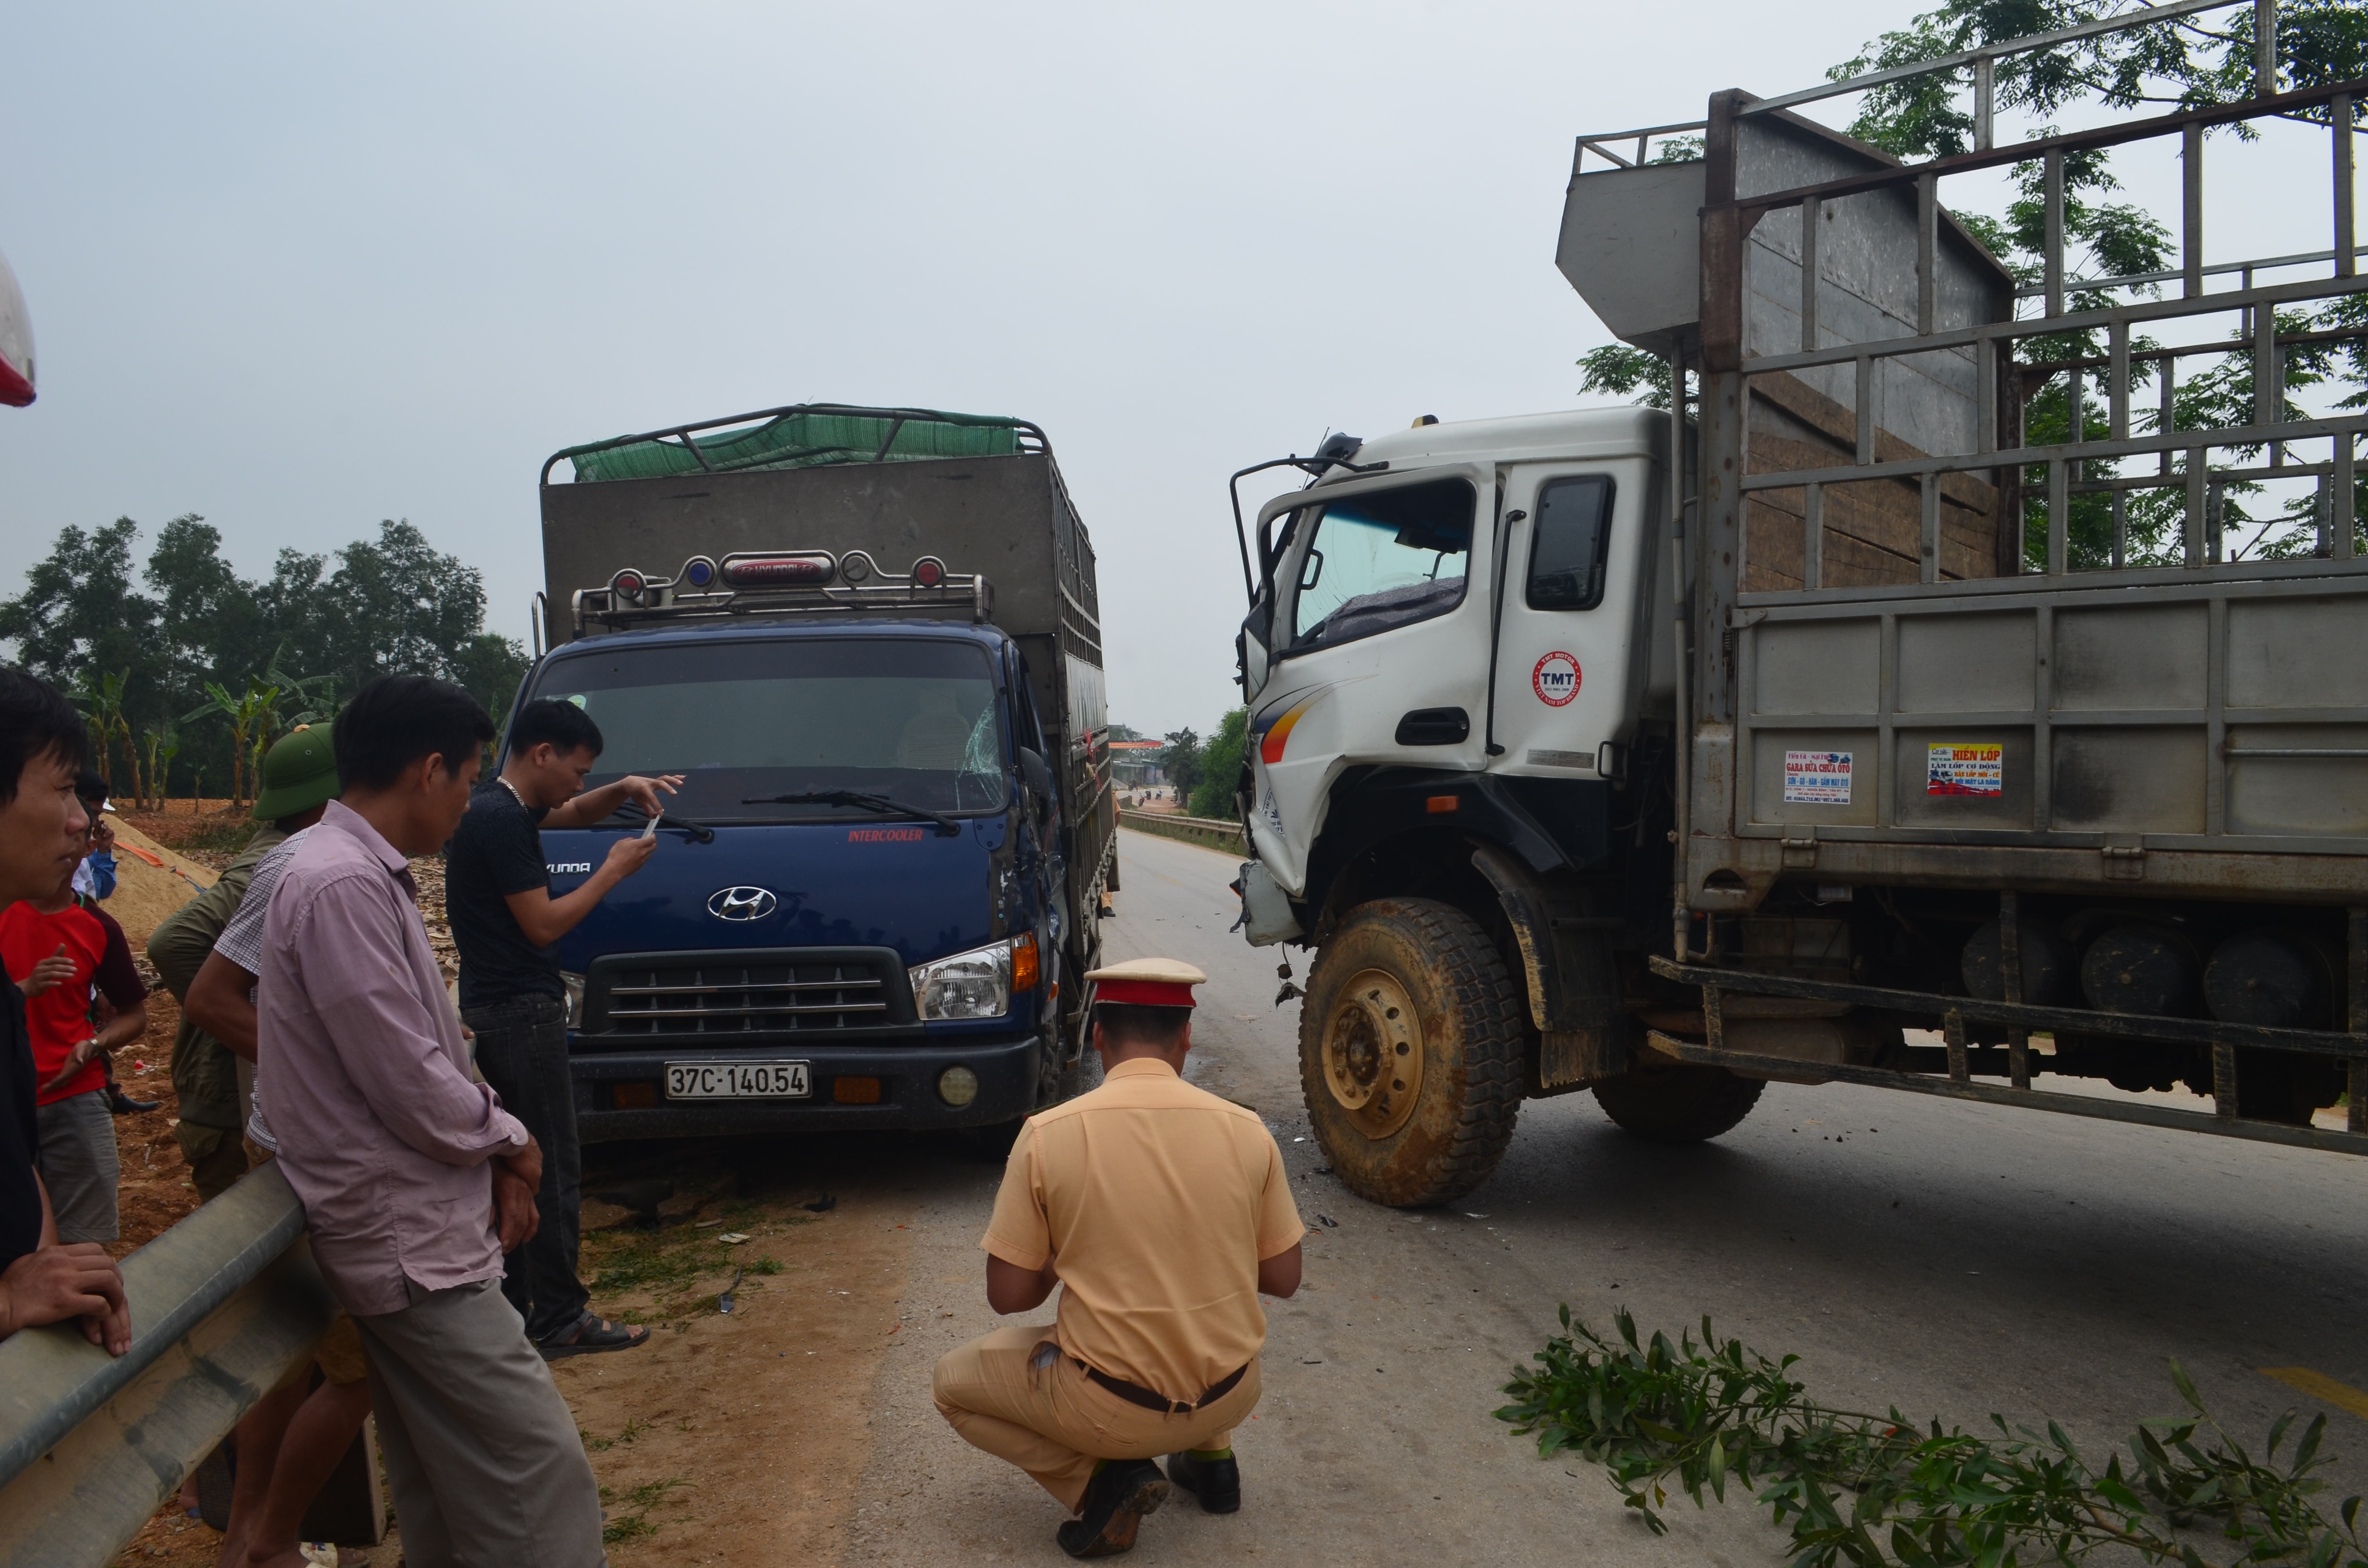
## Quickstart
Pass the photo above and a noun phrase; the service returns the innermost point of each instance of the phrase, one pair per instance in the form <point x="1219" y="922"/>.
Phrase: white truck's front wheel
<point x="1410" y="1051"/>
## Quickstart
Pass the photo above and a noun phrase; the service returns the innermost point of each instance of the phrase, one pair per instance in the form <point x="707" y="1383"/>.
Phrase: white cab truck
<point x="1666" y="754"/>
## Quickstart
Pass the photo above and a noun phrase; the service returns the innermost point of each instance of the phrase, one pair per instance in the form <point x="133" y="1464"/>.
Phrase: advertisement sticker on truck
<point x="1817" y="778"/>
<point x="1959" y="770"/>
<point x="1556" y="679"/>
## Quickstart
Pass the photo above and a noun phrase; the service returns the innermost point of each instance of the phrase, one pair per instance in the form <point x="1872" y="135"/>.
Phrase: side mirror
<point x="1038" y="774"/>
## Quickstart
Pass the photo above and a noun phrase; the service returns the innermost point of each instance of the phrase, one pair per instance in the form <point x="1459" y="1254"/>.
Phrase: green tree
<point x="316" y="629"/>
<point x="397" y="606"/>
<point x="1221" y="762"/>
<point x="1181" y="762"/>
<point x="80" y="615"/>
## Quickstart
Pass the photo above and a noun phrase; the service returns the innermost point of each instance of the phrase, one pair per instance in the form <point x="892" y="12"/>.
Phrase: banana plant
<point x="247" y="714"/>
<point x="313" y="697"/>
<point x="102" y="706"/>
<point x="162" y="746"/>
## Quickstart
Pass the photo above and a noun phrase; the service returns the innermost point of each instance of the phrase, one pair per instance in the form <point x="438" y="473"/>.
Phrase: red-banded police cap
<point x="1148" y="982"/>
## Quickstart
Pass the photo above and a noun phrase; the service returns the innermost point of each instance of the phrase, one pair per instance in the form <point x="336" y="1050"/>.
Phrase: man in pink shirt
<point x="414" y="1180"/>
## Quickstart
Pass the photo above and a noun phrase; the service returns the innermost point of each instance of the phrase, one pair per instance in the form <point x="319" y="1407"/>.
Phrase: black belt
<point x="1151" y="1399"/>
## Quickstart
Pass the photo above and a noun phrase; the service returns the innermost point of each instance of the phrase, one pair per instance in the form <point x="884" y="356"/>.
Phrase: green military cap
<point x="300" y="772"/>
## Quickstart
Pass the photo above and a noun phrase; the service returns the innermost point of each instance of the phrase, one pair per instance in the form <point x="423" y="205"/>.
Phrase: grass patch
<point x="665" y="1263"/>
<point x="668" y="1264"/>
<point x="634" y="1426"/>
<point x="640" y="1500"/>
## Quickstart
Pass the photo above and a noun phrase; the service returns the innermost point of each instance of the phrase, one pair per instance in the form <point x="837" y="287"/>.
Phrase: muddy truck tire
<point x="1410" y="1049"/>
<point x="1678" y="1104"/>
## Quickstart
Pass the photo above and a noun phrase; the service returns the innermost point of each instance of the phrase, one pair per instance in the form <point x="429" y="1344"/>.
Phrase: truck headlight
<point x="975" y="984"/>
<point x="573" y="985"/>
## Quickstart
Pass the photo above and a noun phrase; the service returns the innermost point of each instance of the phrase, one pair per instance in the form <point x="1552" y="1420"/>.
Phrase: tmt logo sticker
<point x="1556" y="679"/>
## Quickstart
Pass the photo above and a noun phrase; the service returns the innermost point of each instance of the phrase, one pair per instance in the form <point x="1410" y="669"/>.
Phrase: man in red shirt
<point x="61" y="955"/>
<point x="42" y="830"/>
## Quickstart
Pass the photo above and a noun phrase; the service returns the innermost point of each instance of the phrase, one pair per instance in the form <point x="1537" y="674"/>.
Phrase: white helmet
<point x="16" y="342"/>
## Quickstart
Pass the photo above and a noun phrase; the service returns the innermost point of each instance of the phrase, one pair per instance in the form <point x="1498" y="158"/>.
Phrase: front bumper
<point x="907" y="1073"/>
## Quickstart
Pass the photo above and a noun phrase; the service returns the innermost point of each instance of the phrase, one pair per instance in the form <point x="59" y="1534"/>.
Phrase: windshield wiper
<point x="699" y="831"/>
<point x="947" y="826"/>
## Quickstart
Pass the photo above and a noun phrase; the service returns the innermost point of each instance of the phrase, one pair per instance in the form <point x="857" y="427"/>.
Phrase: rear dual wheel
<point x="1410" y="1051"/>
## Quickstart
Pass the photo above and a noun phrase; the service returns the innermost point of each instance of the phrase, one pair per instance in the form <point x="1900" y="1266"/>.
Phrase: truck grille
<point x="679" y="996"/>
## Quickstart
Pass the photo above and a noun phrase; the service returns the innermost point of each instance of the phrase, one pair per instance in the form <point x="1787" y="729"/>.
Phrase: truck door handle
<point x="1435" y="727"/>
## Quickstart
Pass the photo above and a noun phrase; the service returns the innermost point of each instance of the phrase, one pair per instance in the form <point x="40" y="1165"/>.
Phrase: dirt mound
<point x="150" y="882"/>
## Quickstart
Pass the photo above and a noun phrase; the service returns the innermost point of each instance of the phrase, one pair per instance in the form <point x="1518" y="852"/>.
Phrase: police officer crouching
<point x="1164" y="1213"/>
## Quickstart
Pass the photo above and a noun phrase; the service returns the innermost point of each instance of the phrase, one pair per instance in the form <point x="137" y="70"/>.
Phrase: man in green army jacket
<point x="300" y="777"/>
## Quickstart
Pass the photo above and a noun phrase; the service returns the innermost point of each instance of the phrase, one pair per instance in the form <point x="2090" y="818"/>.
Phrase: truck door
<point x="1380" y="643"/>
<point x="1574" y="550"/>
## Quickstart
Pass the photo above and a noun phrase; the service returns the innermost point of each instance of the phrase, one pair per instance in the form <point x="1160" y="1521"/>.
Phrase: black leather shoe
<point x="1116" y="1500"/>
<point x="1216" y="1482"/>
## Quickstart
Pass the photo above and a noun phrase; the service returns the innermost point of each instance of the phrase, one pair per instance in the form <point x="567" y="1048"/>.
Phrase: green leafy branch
<point x="1875" y="1491"/>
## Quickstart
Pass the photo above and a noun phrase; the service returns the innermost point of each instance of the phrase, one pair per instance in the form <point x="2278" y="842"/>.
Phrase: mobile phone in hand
<point x="652" y="830"/>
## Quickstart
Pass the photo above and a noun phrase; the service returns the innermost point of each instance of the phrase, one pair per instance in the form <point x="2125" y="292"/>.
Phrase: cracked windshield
<point x="914" y="721"/>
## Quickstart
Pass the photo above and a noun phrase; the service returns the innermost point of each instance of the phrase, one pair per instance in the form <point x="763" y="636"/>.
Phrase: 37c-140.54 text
<point x="737" y="1080"/>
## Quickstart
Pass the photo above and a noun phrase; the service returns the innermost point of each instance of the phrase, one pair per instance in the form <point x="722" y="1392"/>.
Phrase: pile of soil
<point x="152" y="879"/>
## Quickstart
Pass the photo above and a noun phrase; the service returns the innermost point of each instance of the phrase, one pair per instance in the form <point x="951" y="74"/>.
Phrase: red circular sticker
<point x="1555" y="680"/>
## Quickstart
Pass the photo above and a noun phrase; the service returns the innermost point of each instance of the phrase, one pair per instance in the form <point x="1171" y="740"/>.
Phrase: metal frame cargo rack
<point x="1720" y="868"/>
<point x="1032" y="436"/>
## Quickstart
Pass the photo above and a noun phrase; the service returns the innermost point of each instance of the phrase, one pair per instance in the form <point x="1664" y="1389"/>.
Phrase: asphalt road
<point x="1950" y="1260"/>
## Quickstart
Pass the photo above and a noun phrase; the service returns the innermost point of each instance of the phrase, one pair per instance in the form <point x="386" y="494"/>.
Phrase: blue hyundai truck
<point x="869" y="640"/>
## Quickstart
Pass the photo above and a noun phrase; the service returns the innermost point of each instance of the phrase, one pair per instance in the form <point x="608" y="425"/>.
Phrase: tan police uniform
<point x="1158" y="1201"/>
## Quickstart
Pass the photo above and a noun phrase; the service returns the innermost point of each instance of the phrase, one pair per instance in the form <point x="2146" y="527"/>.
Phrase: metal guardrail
<point x="222" y="1306"/>
<point x="1207" y="832"/>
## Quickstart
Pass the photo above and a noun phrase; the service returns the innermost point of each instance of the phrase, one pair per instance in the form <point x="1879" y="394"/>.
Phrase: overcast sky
<point x="301" y="268"/>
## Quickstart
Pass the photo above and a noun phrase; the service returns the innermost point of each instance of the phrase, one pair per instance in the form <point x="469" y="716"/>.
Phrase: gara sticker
<point x="1817" y="778"/>
<point x="1959" y="770"/>
<point x="1556" y="679"/>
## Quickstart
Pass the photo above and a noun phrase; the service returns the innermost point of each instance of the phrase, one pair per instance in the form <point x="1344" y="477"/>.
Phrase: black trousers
<point x="523" y="1052"/>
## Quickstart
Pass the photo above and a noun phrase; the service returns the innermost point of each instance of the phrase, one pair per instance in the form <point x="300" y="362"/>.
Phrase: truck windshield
<point x="914" y="719"/>
<point x="1382" y="561"/>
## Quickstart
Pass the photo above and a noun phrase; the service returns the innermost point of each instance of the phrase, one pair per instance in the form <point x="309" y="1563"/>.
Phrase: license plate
<point x="738" y="1081"/>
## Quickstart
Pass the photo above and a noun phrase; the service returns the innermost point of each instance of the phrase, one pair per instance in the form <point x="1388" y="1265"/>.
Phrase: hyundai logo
<point x="742" y="903"/>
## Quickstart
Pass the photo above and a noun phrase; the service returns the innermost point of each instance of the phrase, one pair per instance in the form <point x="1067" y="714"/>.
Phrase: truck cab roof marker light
<point x="798" y="569"/>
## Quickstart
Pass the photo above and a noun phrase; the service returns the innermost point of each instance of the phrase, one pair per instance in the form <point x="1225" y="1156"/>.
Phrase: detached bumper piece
<point x="1949" y="1015"/>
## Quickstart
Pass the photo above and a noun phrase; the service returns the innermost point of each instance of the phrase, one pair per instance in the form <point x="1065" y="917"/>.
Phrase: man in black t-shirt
<point x="43" y="831"/>
<point x="506" y="925"/>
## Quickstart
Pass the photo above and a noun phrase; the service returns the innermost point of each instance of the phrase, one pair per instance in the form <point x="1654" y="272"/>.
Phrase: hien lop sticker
<point x="1556" y="679"/>
<point x="1955" y="769"/>
<point x="1817" y="778"/>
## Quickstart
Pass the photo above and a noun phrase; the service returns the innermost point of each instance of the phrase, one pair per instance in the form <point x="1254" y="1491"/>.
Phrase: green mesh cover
<point x="802" y="441"/>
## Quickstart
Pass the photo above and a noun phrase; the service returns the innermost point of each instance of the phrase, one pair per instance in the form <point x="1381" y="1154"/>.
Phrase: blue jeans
<point x="523" y="1052"/>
